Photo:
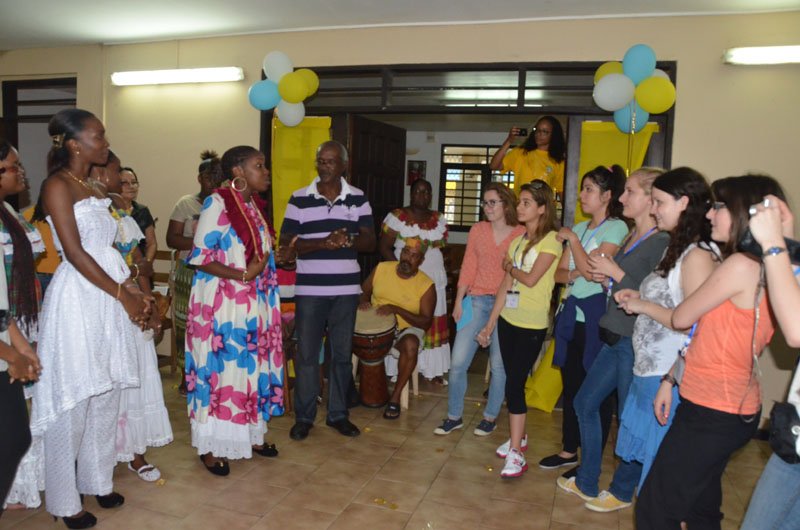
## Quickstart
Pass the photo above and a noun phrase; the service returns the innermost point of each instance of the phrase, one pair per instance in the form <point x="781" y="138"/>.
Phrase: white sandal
<point x="148" y="472"/>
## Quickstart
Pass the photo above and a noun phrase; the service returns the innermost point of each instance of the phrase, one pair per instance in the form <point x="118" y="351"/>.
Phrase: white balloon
<point x="290" y="114"/>
<point x="276" y="65"/>
<point x="661" y="73"/>
<point x="613" y="92"/>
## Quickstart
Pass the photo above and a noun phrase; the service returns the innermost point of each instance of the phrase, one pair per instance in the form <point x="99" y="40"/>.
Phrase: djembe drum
<point x="372" y="340"/>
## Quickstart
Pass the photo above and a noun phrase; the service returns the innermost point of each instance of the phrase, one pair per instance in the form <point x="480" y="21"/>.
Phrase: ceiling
<point x="48" y="23"/>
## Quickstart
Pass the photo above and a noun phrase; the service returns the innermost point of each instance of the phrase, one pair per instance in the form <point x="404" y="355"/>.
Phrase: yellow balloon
<point x="611" y="67"/>
<point x="293" y="88"/>
<point x="311" y="79"/>
<point x="655" y="94"/>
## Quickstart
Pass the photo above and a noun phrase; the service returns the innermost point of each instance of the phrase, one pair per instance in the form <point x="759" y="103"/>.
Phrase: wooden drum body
<point x="372" y="340"/>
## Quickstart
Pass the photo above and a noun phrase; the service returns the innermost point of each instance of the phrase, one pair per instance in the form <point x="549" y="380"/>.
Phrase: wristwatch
<point x="668" y="378"/>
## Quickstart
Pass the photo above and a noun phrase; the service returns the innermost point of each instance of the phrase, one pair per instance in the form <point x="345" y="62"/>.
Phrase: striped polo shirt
<point x="310" y="215"/>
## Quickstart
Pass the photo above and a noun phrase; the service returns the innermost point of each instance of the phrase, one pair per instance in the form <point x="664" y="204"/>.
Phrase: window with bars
<point x="465" y="171"/>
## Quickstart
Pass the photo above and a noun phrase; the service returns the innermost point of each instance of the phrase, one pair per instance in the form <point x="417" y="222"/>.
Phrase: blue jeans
<point x="611" y="370"/>
<point x="464" y="349"/>
<point x="776" y="501"/>
<point x="312" y="315"/>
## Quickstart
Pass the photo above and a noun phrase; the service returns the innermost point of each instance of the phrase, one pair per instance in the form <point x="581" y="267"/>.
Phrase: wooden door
<point x="377" y="166"/>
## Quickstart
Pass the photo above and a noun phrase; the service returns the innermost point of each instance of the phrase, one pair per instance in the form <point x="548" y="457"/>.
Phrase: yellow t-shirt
<point x="533" y="310"/>
<point x="535" y="164"/>
<point x="389" y="288"/>
<point x="49" y="261"/>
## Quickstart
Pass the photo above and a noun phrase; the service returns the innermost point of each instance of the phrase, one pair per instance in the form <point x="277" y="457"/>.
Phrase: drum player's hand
<point x="387" y="309"/>
<point x="363" y="306"/>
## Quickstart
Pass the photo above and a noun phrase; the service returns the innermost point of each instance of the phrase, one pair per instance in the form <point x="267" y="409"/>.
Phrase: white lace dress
<point x="143" y="420"/>
<point x="87" y="345"/>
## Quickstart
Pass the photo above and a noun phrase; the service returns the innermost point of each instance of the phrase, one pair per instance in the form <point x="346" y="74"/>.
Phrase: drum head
<point x="369" y="322"/>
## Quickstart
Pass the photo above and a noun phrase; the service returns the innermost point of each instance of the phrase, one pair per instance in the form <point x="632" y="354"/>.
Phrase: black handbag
<point x="784" y="429"/>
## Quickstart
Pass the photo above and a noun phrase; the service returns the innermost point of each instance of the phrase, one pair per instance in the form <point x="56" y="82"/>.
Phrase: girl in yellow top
<point x="540" y="157"/>
<point x="523" y="305"/>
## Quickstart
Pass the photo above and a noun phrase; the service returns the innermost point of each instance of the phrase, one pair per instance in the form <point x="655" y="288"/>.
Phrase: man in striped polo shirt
<point x="328" y="223"/>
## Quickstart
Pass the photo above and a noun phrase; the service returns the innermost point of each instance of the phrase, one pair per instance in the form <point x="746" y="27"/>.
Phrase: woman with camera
<point x="774" y="505"/>
<point x="541" y="156"/>
<point x="719" y="389"/>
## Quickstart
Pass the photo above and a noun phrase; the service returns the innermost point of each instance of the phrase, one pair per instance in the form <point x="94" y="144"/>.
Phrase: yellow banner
<point x="602" y="144"/>
<point x="293" y="153"/>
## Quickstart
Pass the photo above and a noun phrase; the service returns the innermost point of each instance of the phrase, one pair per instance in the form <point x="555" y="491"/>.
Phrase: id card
<point x="512" y="299"/>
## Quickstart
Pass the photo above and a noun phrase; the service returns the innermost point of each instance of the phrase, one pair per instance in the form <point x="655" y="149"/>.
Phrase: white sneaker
<point x="502" y="451"/>
<point x="515" y="465"/>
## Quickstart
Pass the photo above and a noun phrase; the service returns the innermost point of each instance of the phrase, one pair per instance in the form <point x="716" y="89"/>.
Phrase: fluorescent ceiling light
<point x="182" y="75"/>
<point x="762" y="55"/>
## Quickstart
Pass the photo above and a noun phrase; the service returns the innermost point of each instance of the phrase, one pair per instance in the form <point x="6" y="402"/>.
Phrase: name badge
<point x="512" y="299"/>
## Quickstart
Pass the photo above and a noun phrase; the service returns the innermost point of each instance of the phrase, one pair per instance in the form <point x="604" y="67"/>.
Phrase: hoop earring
<point x="243" y="187"/>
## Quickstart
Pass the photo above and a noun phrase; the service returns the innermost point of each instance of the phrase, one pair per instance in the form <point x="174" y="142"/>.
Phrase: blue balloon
<point x="622" y="117"/>
<point x="639" y="63"/>
<point x="264" y="95"/>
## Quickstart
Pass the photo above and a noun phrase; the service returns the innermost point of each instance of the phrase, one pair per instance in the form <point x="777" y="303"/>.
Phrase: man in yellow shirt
<point x="401" y="289"/>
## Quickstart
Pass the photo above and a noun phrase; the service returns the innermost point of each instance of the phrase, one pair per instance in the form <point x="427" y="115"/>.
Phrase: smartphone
<point x="522" y="131"/>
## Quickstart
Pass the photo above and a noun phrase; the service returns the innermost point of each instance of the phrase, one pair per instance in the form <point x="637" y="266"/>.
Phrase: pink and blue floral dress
<point x="234" y="353"/>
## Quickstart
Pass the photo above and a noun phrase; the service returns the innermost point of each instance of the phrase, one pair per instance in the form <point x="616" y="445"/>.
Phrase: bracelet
<point x="136" y="267"/>
<point x="244" y="276"/>
<point x="669" y="379"/>
<point x="119" y="290"/>
<point x="774" y="251"/>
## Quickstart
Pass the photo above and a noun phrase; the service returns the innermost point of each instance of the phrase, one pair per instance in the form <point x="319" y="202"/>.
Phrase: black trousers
<point x="572" y="375"/>
<point x="16" y="436"/>
<point x="685" y="482"/>
<point x="519" y="348"/>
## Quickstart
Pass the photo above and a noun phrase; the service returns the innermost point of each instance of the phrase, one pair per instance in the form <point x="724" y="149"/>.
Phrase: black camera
<point x="522" y="131"/>
<point x="747" y="243"/>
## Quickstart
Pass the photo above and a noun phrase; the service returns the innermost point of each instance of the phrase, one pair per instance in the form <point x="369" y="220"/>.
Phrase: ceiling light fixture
<point x="181" y="75"/>
<point x="762" y="55"/>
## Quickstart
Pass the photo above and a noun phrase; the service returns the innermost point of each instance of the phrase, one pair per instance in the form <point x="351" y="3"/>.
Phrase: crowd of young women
<point x="675" y="281"/>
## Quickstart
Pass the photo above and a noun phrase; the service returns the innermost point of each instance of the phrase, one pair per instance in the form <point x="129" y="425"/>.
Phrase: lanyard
<point x="688" y="340"/>
<point x="521" y="259"/>
<point x="626" y="252"/>
<point x="591" y="236"/>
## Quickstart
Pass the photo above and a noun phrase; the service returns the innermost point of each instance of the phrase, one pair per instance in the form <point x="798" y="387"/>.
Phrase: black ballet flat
<point x="112" y="500"/>
<point x="87" y="520"/>
<point x="268" y="450"/>
<point x="219" y="468"/>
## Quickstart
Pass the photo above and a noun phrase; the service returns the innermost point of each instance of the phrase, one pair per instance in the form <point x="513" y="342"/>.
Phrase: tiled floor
<point x="397" y="474"/>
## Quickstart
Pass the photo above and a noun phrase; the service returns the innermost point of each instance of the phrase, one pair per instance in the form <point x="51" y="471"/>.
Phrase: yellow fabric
<point x="543" y="388"/>
<point x="602" y="144"/>
<point x="535" y="164"/>
<point x="533" y="310"/>
<point x="389" y="288"/>
<point x="293" y="152"/>
<point x="49" y="261"/>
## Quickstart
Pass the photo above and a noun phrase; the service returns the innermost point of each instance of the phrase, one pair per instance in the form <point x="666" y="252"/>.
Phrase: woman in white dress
<point x="143" y="420"/>
<point x="86" y="344"/>
<point x="417" y="220"/>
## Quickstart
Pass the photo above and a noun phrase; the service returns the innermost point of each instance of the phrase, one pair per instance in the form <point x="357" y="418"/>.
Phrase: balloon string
<point x="630" y="140"/>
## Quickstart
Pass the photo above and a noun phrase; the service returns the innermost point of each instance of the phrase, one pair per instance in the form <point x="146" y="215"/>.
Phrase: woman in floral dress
<point x="418" y="220"/>
<point x="234" y="356"/>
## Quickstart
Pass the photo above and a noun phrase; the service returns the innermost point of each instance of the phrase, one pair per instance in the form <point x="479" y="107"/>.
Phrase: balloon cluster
<point x="284" y="89"/>
<point x="633" y="89"/>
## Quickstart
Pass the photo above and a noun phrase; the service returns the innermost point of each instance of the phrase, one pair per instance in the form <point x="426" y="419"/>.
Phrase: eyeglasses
<point x="535" y="184"/>
<point x="132" y="184"/>
<point x="16" y="167"/>
<point x="718" y="205"/>
<point x="537" y="130"/>
<point x="491" y="203"/>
